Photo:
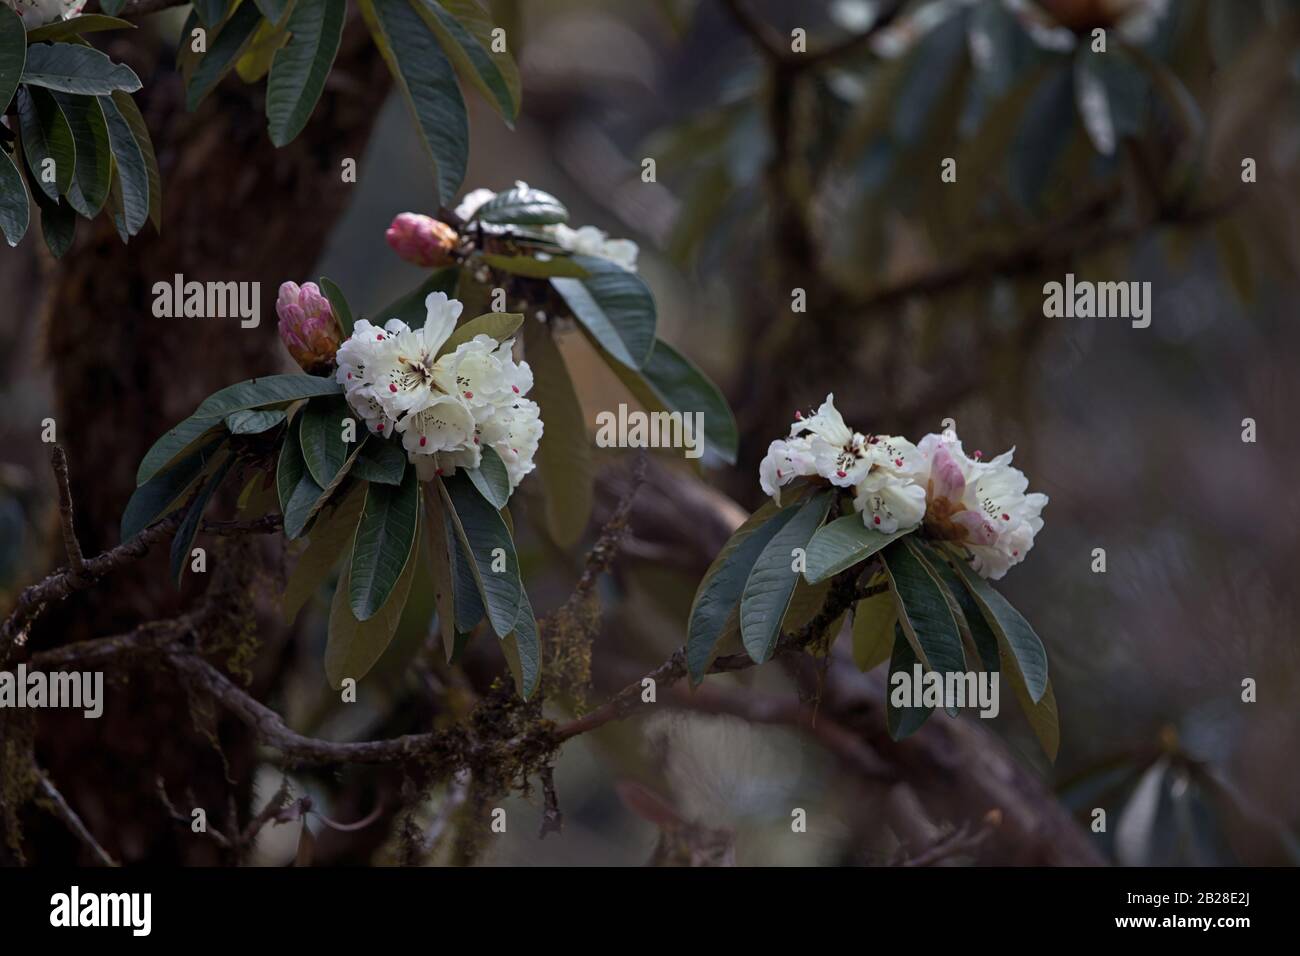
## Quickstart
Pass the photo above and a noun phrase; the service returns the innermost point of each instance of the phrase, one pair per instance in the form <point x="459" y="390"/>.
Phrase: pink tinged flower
<point x="307" y="326"/>
<point x="422" y="240"/>
<point x="948" y="481"/>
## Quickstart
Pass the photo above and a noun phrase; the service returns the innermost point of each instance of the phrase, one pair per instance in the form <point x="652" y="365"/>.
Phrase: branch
<point x="76" y="561"/>
<point x="59" y="807"/>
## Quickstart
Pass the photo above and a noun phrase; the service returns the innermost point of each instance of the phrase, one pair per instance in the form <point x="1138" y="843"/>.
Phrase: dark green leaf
<point x="321" y="433"/>
<point x="299" y="69"/>
<point x="331" y="537"/>
<point x="843" y="543"/>
<point x="770" y="584"/>
<point x="94" y="162"/>
<point x="189" y="527"/>
<point x="131" y="113"/>
<point x="923" y="611"/>
<point x="468" y="600"/>
<point x="440" y="546"/>
<point x="297" y="492"/>
<point x="224" y="50"/>
<point x="1012" y="630"/>
<point x="166" y="490"/>
<point x="73" y="68"/>
<point x="465" y="33"/>
<point x="382" y="460"/>
<point x="564" y="455"/>
<point x="906" y="720"/>
<point x="671" y="382"/>
<point x="267" y="390"/>
<point x="211" y="12"/>
<point x="383" y="544"/>
<point x="46" y="135"/>
<point x="15" y="211"/>
<point x="518" y="207"/>
<point x="13" y="53"/>
<point x="717" y="600"/>
<point x="252" y="421"/>
<point x="615" y="306"/>
<point x="523" y="650"/>
<point x="535" y="268"/>
<point x="172" y="445"/>
<point x="112" y="7"/>
<point x="90" y="23"/>
<point x="131" y="169"/>
<point x="273" y="10"/>
<point x="58" y="224"/>
<point x="428" y="84"/>
<point x="485" y="538"/>
<point x="491" y="478"/>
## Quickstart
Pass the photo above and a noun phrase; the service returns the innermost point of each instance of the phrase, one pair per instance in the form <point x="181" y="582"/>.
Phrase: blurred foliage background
<point x="777" y="172"/>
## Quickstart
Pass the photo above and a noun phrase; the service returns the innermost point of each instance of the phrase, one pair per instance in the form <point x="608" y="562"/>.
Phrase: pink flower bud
<point x="422" y="240"/>
<point x="307" y="326"/>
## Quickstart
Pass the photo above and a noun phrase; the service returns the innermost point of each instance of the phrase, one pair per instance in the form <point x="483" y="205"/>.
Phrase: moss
<point x="18" y="774"/>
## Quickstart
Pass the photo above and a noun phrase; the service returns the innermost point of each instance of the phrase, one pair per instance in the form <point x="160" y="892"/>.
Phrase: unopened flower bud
<point x="422" y="240"/>
<point x="308" y="327"/>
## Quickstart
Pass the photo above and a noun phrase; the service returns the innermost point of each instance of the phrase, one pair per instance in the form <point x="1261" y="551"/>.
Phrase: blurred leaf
<point x="902" y="721"/>
<point x="1136" y="829"/>
<point x="211" y="12"/>
<point x="331" y="537"/>
<point x="535" y="268"/>
<point x="224" y="50"/>
<point x="255" y="62"/>
<point x="771" y="582"/>
<point x="564" y="455"/>
<point x="1234" y="259"/>
<point x="873" y="631"/>
<point x="299" y="69"/>
<point x="1045" y="128"/>
<point x="410" y="308"/>
<point x="189" y="526"/>
<point x="428" y="85"/>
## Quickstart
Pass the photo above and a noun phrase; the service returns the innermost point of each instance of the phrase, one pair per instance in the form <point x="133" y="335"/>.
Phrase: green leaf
<point x="338" y="304"/>
<point x="273" y="10"/>
<point x="224" y="50"/>
<point x="267" y="390"/>
<point x="74" y="68"/>
<point x="77" y="26"/>
<point x="382" y="460"/>
<point x="843" y="543"/>
<point x="873" y="631"/>
<point x="498" y="325"/>
<point x="535" y="268"/>
<point x="518" y="207"/>
<point x="491" y="478"/>
<point x="255" y="62"/>
<point x="465" y="33"/>
<point x="923" y="611"/>
<point x="902" y="721"/>
<point x="564" y="455"/>
<point x="715" y="609"/>
<point x="131" y="113"/>
<point x="410" y="307"/>
<point x="94" y="163"/>
<point x="58" y="224"/>
<point x="211" y="12"/>
<point x="483" y="534"/>
<point x="428" y="85"/>
<point x="330" y="538"/>
<point x="13" y="54"/>
<point x="440" y="547"/>
<point x="252" y="421"/>
<point x="299" y="69"/>
<point x="189" y="526"/>
<point x="112" y="7"/>
<point x="613" y="305"/>
<point x="323" y="448"/>
<point x="671" y="382"/>
<point x="383" y="543"/>
<point x="15" y="211"/>
<point x="468" y="600"/>
<point x="982" y="636"/>
<point x="354" y="646"/>
<point x="131" y="168"/>
<point x="523" y="650"/>
<point x="770" y="584"/>
<point x="46" y="135"/>
<point x="172" y="445"/>
<point x="1015" y="637"/>
<point x="297" y="491"/>
<point x="165" y="491"/>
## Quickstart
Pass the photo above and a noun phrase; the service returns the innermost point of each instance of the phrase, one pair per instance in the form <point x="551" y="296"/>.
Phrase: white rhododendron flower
<point x="474" y="199"/>
<point x="897" y="486"/>
<point x="37" y="13"/>
<point x="446" y="407"/>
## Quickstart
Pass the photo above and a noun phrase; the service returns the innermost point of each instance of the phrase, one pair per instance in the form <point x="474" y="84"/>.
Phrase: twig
<point x="76" y="562"/>
<point x="552" y="817"/>
<point x="59" y="807"/>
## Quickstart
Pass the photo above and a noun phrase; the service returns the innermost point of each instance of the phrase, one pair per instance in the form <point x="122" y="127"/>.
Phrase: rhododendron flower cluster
<point x="446" y="407"/>
<point x="897" y="486"/>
